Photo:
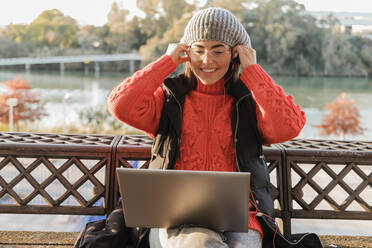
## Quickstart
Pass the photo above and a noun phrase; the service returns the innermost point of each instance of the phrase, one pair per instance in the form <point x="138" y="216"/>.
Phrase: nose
<point x="207" y="57"/>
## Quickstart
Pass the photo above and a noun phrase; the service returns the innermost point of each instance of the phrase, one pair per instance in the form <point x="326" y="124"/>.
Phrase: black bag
<point x="109" y="233"/>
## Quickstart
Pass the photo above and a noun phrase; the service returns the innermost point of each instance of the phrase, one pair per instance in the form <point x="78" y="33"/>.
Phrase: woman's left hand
<point x="247" y="55"/>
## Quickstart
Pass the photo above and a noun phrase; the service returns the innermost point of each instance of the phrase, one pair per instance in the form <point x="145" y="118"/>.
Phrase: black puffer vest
<point x="246" y="137"/>
<point x="248" y="150"/>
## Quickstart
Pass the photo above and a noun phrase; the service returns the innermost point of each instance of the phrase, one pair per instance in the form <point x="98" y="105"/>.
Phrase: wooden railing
<point x="75" y="174"/>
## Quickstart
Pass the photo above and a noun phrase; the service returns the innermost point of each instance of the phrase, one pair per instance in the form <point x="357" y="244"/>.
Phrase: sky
<point x="95" y="11"/>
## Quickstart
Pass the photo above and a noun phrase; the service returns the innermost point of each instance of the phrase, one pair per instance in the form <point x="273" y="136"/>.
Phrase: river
<point x="64" y="96"/>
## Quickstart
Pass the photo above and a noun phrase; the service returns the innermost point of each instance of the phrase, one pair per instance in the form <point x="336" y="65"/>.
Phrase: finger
<point x="184" y="59"/>
<point x="182" y="47"/>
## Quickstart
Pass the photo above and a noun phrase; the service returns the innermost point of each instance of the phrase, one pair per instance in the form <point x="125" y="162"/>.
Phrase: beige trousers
<point x="187" y="237"/>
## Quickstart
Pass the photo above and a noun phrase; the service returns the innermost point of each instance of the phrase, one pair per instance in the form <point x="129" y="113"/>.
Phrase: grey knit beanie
<point x="215" y="24"/>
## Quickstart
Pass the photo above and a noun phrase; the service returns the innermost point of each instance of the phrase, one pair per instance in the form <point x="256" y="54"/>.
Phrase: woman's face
<point x="209" y="60"/>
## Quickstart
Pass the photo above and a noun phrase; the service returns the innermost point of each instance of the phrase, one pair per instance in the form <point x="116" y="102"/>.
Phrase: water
<point x="65" y="95"/>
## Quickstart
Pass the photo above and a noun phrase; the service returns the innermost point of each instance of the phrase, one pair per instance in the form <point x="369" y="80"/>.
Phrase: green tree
<point x="89" y="39"/>
<point x="340" y="56"/>
<point x="11" y="49"/>
<point x="161" y="14"/>
<point x="138" y="36"/>
<point x="168" y="24"/>
<point x="17" y="32"/>
<point x="119" y="39"/>
<point x="52" y="29"/>
<point x="280" y="34"/>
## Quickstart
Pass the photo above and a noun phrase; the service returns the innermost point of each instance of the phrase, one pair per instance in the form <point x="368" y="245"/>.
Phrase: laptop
<point x="171" y="198"/>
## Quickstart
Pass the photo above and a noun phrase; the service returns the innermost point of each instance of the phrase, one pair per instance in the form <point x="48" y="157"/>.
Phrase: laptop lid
<point x="170" y="198"/>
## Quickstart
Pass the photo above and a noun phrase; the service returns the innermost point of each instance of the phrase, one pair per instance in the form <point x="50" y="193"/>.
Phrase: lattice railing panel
<point x="275" y="176"/>
<point x="136" y="140"/>
<point x="53" y="182"/>
<point x="329" y="186"/>
<point x="329" y="145"/>
<point x="55" y="139"/>
<point x="73" y="174"/>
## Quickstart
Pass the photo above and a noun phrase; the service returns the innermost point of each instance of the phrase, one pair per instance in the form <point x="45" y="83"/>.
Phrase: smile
<point x="208" y="70"/>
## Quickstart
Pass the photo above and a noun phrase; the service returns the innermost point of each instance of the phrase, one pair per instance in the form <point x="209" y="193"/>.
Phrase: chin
<point x="209" y="80"/>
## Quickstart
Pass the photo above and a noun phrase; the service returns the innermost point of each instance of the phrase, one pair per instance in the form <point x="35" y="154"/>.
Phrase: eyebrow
<point x="214" y="46"/>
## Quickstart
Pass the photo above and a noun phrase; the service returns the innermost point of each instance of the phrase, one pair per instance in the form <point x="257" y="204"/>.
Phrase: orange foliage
<point x="342" y="118"/>
<point x="28" y="107"/>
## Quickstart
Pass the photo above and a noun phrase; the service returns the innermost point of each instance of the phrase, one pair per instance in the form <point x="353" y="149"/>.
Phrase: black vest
<point x="247" y="139"/>
<point x="248" y="150"/>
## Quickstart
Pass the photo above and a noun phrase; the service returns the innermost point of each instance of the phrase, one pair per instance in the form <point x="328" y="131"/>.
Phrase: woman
<point x="211" y="117"/>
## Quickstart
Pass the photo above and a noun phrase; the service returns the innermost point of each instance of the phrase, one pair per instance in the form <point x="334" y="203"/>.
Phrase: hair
<point x="233" y="72"/>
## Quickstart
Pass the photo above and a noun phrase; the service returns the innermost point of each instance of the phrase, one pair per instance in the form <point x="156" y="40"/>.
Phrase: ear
<point x="234" y="53"/>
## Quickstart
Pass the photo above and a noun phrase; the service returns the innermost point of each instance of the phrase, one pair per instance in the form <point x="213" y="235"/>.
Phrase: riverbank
<point x="20" y="239"/>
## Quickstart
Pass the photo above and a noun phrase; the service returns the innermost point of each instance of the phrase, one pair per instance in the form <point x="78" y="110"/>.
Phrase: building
<point x="352" y="22"/>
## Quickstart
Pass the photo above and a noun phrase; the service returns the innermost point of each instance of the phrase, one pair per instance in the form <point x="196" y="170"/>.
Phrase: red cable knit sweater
<point x="206" y="138"/>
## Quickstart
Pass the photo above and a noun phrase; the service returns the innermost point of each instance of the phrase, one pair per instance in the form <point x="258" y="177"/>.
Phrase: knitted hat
<point x="215" y="24"/>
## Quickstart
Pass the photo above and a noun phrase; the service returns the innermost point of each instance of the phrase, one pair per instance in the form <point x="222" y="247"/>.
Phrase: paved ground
<point x="14" y="239"/>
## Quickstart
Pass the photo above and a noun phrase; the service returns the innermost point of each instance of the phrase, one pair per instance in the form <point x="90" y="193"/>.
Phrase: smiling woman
<point x="213" y="117"/>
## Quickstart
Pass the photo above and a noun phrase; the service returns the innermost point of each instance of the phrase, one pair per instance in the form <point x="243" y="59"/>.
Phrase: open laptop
<point x="171" y="198"/>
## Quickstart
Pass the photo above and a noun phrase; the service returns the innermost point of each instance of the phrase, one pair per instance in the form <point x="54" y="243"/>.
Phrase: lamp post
<point x="11" y="103"/>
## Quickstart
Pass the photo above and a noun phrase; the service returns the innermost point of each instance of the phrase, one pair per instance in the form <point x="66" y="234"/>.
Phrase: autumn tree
<point x="342" y="118"/>
<point x="28" y="108"/>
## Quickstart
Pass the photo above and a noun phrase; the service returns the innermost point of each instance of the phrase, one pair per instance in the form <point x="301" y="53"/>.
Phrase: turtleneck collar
<point x="217" y="88"/>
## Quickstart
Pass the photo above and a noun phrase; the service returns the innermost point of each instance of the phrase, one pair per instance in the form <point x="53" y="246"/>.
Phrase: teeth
<point x="208" y="70"/>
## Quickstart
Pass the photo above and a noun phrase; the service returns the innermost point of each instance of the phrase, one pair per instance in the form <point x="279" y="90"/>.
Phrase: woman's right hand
<point x="175" y="50"/>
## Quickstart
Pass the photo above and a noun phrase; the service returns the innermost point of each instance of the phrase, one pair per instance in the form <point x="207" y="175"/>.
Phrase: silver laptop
<point x="171" y="198"/>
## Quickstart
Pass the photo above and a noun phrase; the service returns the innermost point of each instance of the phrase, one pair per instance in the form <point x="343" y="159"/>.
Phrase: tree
<point x="28" y="108"/>
<point x="340" y="56"/>
<point x="89" y="39"/>
<point x="138" y="35"/>
<point x="168" y="25"/>
<point x="11" y="49"/>
<point x="119" y="38"/>
<point x="342" y="118"/>
<point x="53" y="29"/>
<point x="17" y="32"/>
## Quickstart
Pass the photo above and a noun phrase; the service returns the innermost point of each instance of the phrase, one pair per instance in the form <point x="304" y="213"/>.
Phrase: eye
<point x="218" y="52"/>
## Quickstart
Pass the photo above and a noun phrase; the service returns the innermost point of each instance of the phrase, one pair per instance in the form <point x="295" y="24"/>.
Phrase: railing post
<point x="286" y="175"/>
<point x="287" y="224"/>
<point x="112" y="174"/>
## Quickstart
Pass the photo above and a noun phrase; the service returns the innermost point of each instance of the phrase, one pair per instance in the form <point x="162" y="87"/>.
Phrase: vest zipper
<point x="236" y="128"/>
<point x="179" y="106"/>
